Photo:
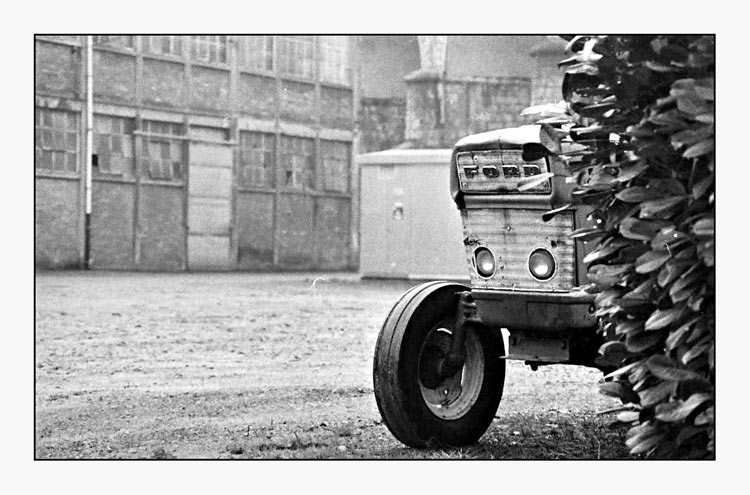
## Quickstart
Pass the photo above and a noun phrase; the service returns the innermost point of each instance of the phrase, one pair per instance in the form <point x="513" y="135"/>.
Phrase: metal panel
<point x="214" y="156"/>
<point x="255" y="230"/>
<point x="161" y="235"/>
<point x="295" y="233"/>
<point x="512" y="235"/>
<point x="56" y="223"/>
<point x="436" y="240"/>
<point x="212" y="182"/>
<point x="410" y="226"/>
<point x="332" y="233"/>
<point x="208" y="216"/>
<point x="209" y="203"/>
<point x="209" y="253"/>
<point x="112" y="225"/>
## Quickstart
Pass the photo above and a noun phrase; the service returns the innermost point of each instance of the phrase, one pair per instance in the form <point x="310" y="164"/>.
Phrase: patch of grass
<point x="520" y="436"/>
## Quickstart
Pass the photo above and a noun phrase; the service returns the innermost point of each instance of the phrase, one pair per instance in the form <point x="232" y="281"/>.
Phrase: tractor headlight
<point x="484" y="261"/>
<point x="541" y="264"/>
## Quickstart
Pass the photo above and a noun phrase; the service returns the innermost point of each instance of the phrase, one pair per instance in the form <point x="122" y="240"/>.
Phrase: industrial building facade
<point x="209" y="152"/>
<point x="240" y="152"/>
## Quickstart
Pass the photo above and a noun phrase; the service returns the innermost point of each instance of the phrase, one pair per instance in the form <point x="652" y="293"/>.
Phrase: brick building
<point x="239" y="152"/>
<point x="429" y="91"/>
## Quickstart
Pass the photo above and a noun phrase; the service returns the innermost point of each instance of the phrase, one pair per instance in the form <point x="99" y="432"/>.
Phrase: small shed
<point x="410" y="227"/>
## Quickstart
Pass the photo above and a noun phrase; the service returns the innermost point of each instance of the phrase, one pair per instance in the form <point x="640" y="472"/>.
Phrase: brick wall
<point x="440" y="111"/>
<point x="382" y="122"/>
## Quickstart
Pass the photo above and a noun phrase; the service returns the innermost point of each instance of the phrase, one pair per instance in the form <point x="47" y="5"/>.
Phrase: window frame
<point x="214" y="48"/>
<point x="302" y="177"/>
<point x="248" y="161"/>
<point x="334" y="51"/>
<point x="125" y="133"/>
<point x="299" y="64"/>
<point x="176" y="45"/>
<point x="258" y="63"/>
<point x="70" y="153"/>
<point x="331" y="176"/>
<point x="155" y="135"/>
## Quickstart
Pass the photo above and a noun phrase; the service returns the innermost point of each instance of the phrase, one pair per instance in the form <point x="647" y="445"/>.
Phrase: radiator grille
<point x="512" y="235"/>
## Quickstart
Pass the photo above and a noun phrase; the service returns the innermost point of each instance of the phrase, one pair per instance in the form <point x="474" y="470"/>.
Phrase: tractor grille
<point x="512" y="235"/>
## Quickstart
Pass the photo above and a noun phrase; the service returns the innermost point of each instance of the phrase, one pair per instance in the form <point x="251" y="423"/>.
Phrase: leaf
<point x="628" y="416"/>
<point x="702" y="148"/>
<point x="629" y="327"/>
<point x="607" y="275"/>
<point x="679" y="336"/>
<point x="647" y="444"/>
<point x="678" y="410"/>
<point x="603" y="252"/>
<point x="645" y="429"/>
<point x="700" y="188"/>
<point x="671" y="270"/>
<point x="651" y="261"/>
<point x="657" y="393"/>
<point x="679" y="290"/>
<point x="639" y="230"/>
<point x="666" y="369"/>
<point x="694" y="352"/>
<point x="704" y="227"/>
<point x="662" y="318"/>
<point x="652" y="208"/>
<point x="706" y="417"/>
<point x="630" y="253"/>
<point x="636" y="194"/>
<point x="690" y="102"/>
<point x="612" y="354"/>
<point x="587" y="233"/>
<point x="643" y="341"/>
<point x="618" y="390"/>
<point x="644" y="290"/>
<point x="691" y="136"/>
<point x="667" y="187"/>
<point x="631" y="171"/>
<point x="657" y="67"/>
<point x="546" y="217"/>
<point x="686" y="433"/>
<point x="669" y="236"/>
<point x="622" y="371"/>
<point x="534" y="181"/>
<point x="706" y="252"/>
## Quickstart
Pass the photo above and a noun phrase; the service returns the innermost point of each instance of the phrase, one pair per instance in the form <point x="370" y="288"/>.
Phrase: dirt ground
<point x="237" y="365"/>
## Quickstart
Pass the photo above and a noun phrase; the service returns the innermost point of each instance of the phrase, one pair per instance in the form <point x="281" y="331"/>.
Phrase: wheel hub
<point x="450" y="397"/>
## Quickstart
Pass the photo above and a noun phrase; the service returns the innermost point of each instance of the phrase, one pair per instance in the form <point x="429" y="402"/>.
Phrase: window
<point x="257" y="153"/>
<point x="116" y="41"/>
<point x="296" y="55"/>
<point x="56" y="140"/>
<point x="334" y="59"/>
<point x="161" y="152"/>
<point x="212" y="49"/>
<point x="257" y="52"/>
<point x="335" y="163"/>
<point x="164" y="45"/>
<point x="298" y="162"/>
<point x="113" y="145"/>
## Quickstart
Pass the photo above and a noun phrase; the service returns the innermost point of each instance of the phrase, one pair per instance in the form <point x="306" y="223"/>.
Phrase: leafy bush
<point x="639" y="119"/>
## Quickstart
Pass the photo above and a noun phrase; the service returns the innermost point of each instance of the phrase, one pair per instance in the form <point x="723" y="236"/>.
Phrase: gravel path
<point x="134" y="365"/>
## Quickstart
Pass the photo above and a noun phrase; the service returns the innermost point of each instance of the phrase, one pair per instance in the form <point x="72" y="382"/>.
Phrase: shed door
<point x="397" y="218"/>
<point x="210" y="201"/>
